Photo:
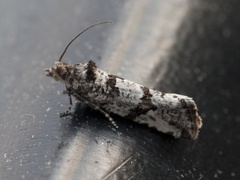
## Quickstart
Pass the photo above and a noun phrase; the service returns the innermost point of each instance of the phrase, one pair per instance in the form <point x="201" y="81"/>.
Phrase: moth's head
<point x="58" y="72"/>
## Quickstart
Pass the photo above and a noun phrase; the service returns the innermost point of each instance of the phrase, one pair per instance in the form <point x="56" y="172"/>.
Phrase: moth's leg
<point x="64" y="91"/>
<point x="68" y="111"/>
<point x="93" y="106"/>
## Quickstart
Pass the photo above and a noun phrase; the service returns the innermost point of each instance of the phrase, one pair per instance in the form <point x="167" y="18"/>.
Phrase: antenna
<point x="79" y="35"/>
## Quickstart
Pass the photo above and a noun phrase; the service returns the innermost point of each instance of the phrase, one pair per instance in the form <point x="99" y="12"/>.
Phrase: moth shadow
<point x="85" y="117"/>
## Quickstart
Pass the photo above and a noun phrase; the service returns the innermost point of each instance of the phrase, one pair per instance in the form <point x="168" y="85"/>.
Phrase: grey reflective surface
<point x="174" y="46"/>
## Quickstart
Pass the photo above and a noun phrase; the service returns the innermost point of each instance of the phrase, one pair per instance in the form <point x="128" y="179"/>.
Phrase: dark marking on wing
<point x="194" y="119"/>
<point x="91" y="71"/>
<point x="162" y="95"/>
<point x="111" y="85"/>
<point x="144" y="106"/>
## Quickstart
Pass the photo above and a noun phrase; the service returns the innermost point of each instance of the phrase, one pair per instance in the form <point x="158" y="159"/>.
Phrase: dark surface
<point x="203" y="63"/>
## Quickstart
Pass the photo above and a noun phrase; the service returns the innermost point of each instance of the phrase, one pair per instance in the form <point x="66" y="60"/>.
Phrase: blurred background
<point x="179" y="46"/>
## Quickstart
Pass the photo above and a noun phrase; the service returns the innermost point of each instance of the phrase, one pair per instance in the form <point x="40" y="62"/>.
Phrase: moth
<point x="169" y="113"/>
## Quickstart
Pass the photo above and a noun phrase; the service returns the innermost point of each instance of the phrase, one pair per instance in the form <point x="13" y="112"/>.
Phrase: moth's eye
<point x="55" y="78"/>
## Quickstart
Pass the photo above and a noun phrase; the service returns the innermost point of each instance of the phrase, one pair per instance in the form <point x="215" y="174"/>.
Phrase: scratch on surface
<point x="117" y="168"/>
<point x="131" y="177"/>
<point x="200" y="177"/>
<point x="28" y="115"/>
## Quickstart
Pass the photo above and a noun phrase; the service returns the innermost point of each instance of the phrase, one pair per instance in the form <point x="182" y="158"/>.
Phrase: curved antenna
<point x="79" y="35"/>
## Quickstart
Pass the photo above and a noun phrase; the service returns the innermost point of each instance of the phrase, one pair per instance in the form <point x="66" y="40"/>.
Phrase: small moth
<point x="169" y="113"/>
